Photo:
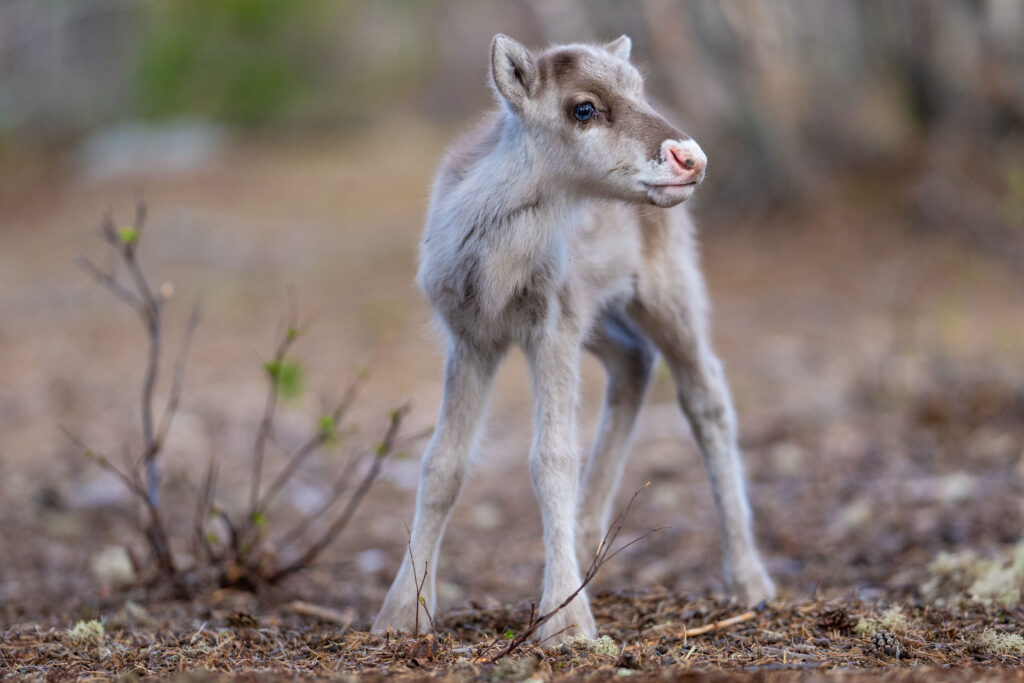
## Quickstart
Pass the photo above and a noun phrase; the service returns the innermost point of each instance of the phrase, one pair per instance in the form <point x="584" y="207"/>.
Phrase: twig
<point x="724" y="623"/>
<point x="342" y="483"/>
<point x="178" y="378"/>
<point x="103" y="462"/>
<point x="383" y="450"/>
<point x="603" y="555"/>
<point x="158" y="540"/>
<point x="108" y="281"/>
<point x="270" y="407"/>
<point x="203" y="501"/>
<point x="321" y="437"/>
<point x="420" y="600"/>
<point x="148" y="307"/>
<point x="308" y="609"/>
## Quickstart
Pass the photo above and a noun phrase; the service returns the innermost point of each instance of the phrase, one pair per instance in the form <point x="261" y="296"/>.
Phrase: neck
<point x="512" y="185"/>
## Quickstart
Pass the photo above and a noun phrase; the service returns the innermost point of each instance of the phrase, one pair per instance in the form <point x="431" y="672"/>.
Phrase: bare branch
<point x="142" y="301"/>
<point x="203" y="502"/>
<point x="383" y="450"/>
<point x="342" y="483"/>
<point x="321" y="437"/>
<point x="109" y="283"/>
<point x="178" y="379"/>
<point x="270" y="407"/>
<point x="105" y="463"/>
<point x="155" y="532"/>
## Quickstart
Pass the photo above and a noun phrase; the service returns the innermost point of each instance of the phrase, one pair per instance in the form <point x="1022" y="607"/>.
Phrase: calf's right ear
<point x="514" y="70"/>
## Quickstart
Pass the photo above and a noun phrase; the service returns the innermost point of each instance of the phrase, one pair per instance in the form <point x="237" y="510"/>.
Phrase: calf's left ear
<point x="620" y="47"/>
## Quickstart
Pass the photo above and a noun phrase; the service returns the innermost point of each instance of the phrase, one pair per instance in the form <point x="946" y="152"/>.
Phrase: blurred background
<point x="863" y="230"/>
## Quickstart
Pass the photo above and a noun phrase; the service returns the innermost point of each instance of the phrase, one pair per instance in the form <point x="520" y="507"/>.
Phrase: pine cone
<point x="834" y="619"/>
<point x="886" y="644"/>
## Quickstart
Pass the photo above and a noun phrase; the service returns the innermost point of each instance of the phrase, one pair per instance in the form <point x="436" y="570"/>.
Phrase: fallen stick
<point x="724" y="623"/>
<point x="708" y="628"/>
<point x="308" y="609"/>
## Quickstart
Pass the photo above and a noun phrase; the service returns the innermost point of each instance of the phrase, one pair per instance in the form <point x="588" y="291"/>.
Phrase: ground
<point x="875" y="367"/>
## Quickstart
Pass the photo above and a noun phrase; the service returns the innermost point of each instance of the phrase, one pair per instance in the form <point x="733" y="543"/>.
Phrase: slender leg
<point x="468" y="377"/>
<point x="554" y="470"/>
<point x="670" y="309"/>
<point x="628" y="358"/>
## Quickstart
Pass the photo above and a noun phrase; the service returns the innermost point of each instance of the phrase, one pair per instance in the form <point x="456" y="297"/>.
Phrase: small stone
<point x="112" y="566"/>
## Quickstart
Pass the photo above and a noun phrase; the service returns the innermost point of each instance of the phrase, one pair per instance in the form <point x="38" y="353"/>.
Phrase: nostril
<point x="682" y="159"/>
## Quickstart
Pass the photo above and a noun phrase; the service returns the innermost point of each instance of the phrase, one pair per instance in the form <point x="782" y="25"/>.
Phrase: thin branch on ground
<point x="718" y="625"/>
<point x="601" y="557"/>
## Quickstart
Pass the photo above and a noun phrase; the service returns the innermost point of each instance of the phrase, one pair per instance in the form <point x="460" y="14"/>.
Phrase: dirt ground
<point x="875" y="366"/>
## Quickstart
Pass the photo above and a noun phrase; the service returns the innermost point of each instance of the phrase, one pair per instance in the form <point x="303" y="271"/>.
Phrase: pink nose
<point x="686" y="158"/>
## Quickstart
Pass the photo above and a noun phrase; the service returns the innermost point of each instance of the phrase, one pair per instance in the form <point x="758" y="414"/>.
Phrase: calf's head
<point x="583" y="108"/>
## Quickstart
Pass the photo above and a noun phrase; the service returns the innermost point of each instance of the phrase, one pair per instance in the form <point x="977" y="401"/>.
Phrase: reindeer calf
<point x="551" y="227"/>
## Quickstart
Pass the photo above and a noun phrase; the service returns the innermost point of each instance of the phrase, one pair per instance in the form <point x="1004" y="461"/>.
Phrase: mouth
<point x="669" y="194"/>
<point x="665" y="186"/>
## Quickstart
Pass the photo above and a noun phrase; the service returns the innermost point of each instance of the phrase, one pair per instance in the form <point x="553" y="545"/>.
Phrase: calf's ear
<point x="513" y="70"/>
<point x="620" y="47"/>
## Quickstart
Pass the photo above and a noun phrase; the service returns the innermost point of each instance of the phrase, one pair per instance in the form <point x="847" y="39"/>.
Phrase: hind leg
<point x="627" y="357"/>
<point x="671" y="310"/>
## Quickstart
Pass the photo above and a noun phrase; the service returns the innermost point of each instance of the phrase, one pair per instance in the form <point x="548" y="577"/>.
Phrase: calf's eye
<point x="584" y="111"/>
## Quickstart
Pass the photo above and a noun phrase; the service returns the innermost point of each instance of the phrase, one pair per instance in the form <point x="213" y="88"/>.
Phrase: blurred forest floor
<point x="875" y="364"/>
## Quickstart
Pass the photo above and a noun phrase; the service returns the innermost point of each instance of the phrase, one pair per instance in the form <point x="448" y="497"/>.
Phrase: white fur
<point x="537" y="235"/>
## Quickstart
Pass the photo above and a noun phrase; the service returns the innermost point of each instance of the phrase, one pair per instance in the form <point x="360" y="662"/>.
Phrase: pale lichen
<point x="599" y="646"/>
<point x="86" y="632"/>
<point x="892" y="621"/>
<point x="999" y="643"/>
<point x="957" y="579"/>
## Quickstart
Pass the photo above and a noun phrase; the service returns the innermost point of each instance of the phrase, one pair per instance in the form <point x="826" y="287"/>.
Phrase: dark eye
<point x="583" y="111"/>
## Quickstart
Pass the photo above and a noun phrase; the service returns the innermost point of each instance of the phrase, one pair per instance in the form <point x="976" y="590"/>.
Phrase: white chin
<point x="669" y="195"/>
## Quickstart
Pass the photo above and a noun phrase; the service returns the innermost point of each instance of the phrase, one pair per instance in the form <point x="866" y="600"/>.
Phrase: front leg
<point x="554" y="356"/>
<point x="468" y="375"/>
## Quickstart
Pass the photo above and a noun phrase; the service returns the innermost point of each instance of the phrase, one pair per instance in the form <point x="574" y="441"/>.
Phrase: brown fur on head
<point x="585" y="108"/>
